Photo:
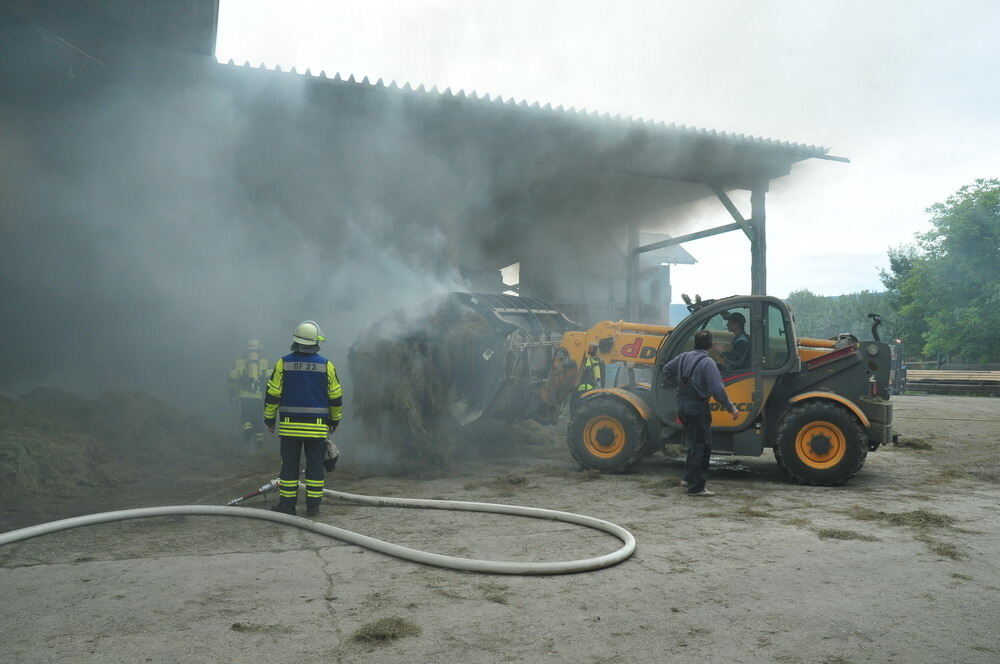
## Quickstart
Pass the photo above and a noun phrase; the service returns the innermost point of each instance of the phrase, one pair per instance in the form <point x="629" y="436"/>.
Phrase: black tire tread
<point x="635" y="429"/>
<point x="796" y="417"/>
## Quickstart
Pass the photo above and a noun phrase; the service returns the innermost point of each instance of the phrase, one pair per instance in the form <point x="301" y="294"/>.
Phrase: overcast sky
<point x="909" y="91"/>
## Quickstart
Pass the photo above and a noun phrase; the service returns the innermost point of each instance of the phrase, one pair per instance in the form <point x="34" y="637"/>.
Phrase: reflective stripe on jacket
<point x="591" y="378"/>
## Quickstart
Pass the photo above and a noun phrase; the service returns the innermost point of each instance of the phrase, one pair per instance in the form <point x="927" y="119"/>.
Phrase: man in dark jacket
<point x="697" y="378"/>
<point x="305" y="399"/>
<point x="738" y="356"/>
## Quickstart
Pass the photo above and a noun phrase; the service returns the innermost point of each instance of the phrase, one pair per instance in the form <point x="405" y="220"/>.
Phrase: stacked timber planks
<point x="947" y="381"/>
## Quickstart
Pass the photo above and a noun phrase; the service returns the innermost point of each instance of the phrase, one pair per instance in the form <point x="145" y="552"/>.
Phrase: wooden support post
<point x="728" y="204"/>
<point x="758" y="241"/>
<point x="668" y="293"/>
<point x="632" y="281"/>
<point x="452" y="257"/>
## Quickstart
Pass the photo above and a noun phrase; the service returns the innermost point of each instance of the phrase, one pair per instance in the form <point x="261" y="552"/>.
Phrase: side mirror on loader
<point x="876" y="321"/>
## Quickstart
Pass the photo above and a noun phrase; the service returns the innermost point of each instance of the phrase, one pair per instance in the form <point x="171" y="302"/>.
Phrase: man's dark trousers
<point x="697" y="420"/>
<point x="291" y="449"/>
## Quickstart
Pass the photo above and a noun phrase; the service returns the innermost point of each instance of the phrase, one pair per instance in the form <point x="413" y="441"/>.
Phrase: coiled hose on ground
<point x="388" y="548"/>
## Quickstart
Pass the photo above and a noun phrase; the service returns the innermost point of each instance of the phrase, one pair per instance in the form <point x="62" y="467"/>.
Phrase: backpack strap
<point x="694" y="365"/>
<point x="684" y="384"/>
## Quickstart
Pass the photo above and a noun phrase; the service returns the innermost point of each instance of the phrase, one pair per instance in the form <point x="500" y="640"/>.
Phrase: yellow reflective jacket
<point x="248" y="377"/>
<point x="591" y="378"/>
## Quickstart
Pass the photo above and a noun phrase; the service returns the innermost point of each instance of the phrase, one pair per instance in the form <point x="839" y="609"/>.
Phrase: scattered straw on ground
<point x="939" y="548"/>
<point x="583" y="475"/>
<point x="914" y="443"/>
<point x="839" y="534"/>
<point x="386" y="629"/>
<point x="913" y="519"/>
<point x="662" y="487"/>
<point x="749" y="512"/>
<point x="494" y="592"/>
<point x="51" y="440"/>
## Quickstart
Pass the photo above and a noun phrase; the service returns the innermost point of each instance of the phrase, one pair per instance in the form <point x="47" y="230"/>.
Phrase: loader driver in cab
<point x="737" y="358"/>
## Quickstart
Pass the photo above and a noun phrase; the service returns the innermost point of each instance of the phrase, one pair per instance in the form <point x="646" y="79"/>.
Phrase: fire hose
<point x="388" y="548"/>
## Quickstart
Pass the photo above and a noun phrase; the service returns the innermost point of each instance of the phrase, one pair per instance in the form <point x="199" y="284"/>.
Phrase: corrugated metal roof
<point x="799" y="149"/>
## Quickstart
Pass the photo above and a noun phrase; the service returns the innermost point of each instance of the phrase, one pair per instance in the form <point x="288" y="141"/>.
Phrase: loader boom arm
<point x="637" y="344"/>
<point x="617" y="342"/>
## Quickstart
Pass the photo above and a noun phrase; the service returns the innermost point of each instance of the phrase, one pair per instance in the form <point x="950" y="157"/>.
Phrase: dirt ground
<point x="901" y="565"/>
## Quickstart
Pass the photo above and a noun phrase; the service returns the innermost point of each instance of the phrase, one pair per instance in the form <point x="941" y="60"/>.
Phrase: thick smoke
<point x="153" y="225"/>
<point x="160" y="216"/>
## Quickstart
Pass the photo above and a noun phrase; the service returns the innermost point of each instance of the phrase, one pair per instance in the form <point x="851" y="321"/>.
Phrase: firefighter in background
<point x="591" y="378"/>
<point x="305" y="401"/>
<point x="246" y="382"/>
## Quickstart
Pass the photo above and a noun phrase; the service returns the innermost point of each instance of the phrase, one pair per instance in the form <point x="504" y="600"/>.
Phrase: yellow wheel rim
<point x="820" y="445"/>
<point x="604" y="437"/>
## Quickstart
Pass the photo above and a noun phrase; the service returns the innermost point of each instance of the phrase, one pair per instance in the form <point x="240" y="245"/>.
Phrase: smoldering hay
<point x="404" y="371"/>
<point x="413" y="373"/>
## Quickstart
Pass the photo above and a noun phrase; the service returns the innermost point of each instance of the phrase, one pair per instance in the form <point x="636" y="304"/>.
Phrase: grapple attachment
<point x="463" y="356"/>
<point x="513" y="355"/>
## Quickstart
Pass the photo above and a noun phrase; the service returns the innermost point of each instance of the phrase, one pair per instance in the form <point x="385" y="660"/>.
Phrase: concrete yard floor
<point x="900" y="565"/>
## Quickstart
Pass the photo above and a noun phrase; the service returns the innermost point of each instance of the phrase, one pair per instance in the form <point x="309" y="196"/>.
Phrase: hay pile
<point x="405" y="371"/>
<point x="38" y="452"/>
<point x="408" y="374"/>
<point x="51" y="440"/>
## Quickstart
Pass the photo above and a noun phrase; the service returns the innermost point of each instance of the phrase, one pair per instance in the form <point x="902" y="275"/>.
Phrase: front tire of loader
<point x="606" y="434"/>
<point x="820" y="443"/>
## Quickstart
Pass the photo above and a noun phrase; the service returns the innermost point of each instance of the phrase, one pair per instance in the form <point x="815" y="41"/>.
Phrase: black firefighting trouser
<point x="291" y="451"/>
<point x="697" y="420"/>
<point x="253" y="427"/>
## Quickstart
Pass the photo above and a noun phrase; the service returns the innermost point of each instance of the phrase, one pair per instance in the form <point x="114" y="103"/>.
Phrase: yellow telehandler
<point x="820" y="404"/>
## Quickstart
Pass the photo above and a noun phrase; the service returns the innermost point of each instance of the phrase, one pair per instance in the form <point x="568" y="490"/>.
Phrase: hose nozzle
<point x="267" y="488"/>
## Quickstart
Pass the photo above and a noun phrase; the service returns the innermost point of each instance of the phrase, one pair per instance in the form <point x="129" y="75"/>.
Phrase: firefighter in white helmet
<point x="247" y="380"/>
<point x="305" y="402"/>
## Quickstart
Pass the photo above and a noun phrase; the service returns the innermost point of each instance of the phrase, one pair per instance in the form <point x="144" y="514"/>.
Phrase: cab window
<point x="730" y="340"/>
<point x="776" y="349"/>
<point x="731" y="337"/>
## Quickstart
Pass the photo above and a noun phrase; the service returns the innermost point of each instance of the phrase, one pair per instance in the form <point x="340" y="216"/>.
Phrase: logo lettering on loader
<point x="742" y="406"/>
<point x="636" y="349"/>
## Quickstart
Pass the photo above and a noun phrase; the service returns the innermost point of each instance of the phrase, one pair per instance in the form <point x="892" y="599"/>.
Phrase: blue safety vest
<point x="304" y="386"/>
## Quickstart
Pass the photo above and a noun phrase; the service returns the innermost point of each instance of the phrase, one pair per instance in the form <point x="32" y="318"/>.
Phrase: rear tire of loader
<point x="820" y="443"/>
<point x="606" y="434"/>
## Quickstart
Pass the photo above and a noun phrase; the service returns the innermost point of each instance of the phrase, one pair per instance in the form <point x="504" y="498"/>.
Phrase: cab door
<point x="767" y="323"/>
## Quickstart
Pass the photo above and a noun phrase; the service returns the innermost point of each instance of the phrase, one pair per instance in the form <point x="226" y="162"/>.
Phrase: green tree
<point x="946" y="287"/>
<point x="826" y="316"/>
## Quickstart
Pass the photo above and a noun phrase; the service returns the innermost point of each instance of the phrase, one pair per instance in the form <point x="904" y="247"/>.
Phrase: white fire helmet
<point x="307" y="333"/>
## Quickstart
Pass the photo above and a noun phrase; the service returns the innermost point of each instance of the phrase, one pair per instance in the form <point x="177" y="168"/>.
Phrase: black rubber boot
<point x="312" y="507"/>
<point x="284" y="507"/>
